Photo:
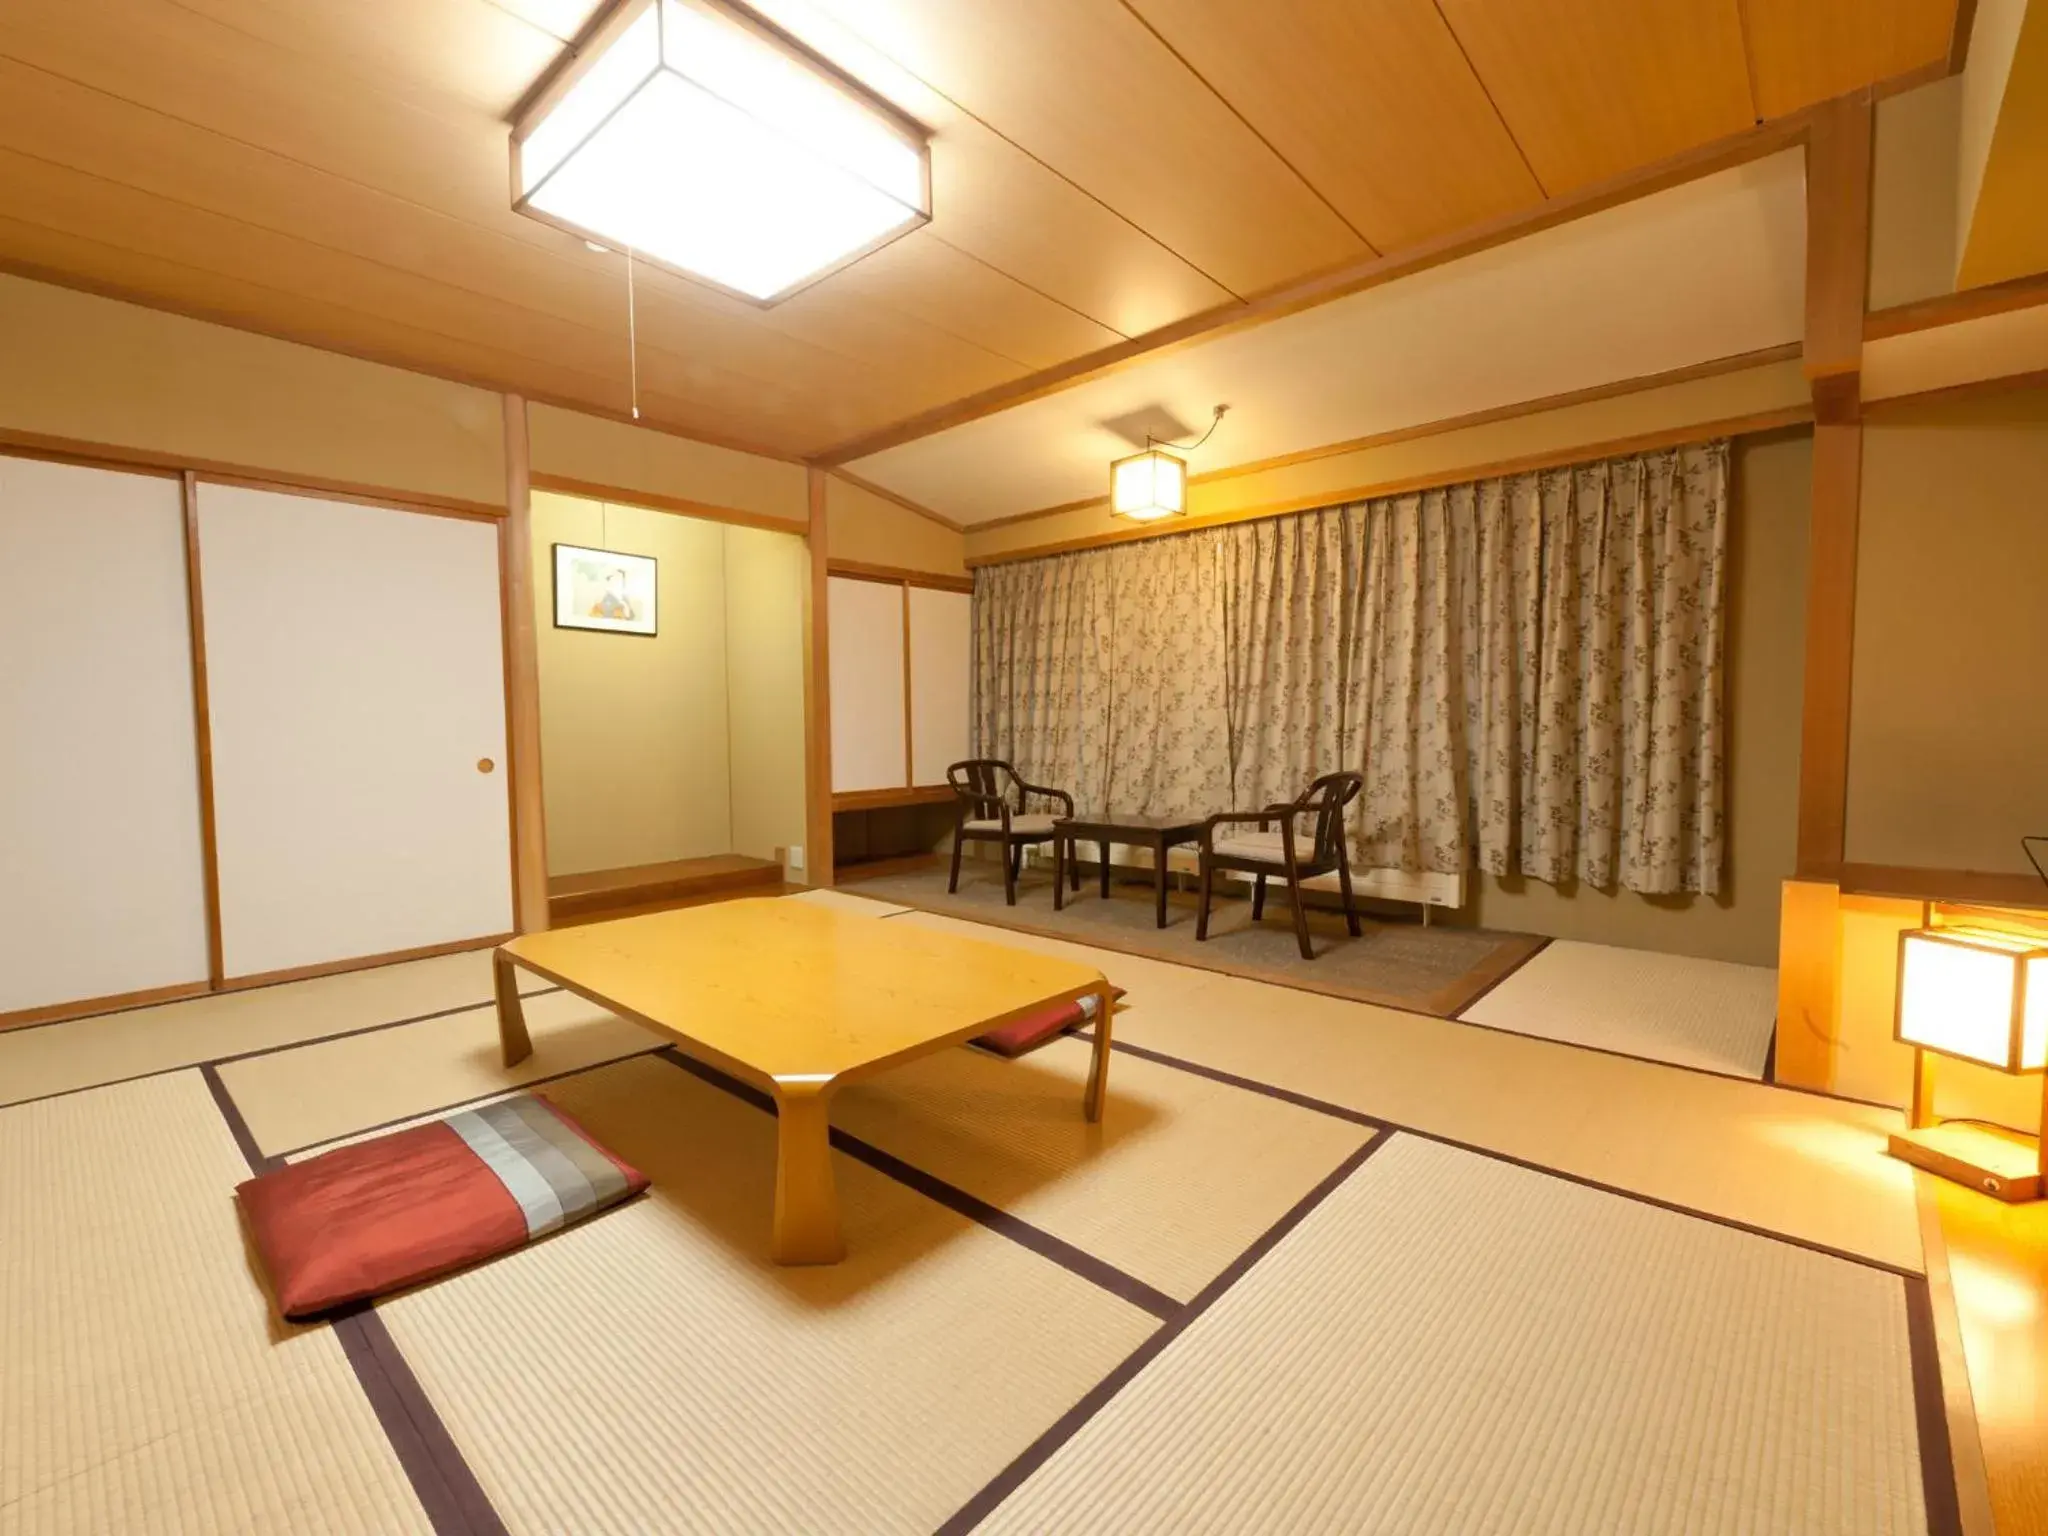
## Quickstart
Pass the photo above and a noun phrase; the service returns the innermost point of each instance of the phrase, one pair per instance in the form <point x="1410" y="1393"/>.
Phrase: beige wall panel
<point x="859" y="525"/>
<point x="1766" y="628"/>
<point x="355" y="670"/>
<point x="79" y="366"/>
<point x="1913" y="194"/>
<point x="765" y="582"/>
<point x="630" y="458"/>
<point x="1775" y="386"/>
<point x="867" y="685"/>
<point x="1948" y="719"/>
<point x="635" y="764"/>
<point x="941" y="655"/>
<point x="102" y="888"/>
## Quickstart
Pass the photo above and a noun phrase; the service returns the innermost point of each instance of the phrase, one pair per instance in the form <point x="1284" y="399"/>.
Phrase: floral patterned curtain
<point x="1527" y="671"/>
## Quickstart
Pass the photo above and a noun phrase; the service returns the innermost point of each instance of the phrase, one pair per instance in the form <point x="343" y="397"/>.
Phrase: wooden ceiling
<point x="335" y="171"/>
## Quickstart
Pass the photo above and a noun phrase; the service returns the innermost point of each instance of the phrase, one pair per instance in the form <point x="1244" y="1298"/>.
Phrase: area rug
<point x="1439" y="970"/>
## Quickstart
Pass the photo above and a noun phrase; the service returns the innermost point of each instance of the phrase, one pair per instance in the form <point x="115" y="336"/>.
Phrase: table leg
<point x="1059" y="873"/>
<point x="806" y="1206"/>
<point x="514" y="1043"/>
<point x="1098" y="1069"/>
<point x="1159" y="882"/>
<point x="1103" y="848"/>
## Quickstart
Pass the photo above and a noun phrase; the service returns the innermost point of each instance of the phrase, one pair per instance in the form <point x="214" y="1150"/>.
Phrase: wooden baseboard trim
<point x="359" y="963"/>
<point x="607" y="890"/>
<point x="92" y="1007"/>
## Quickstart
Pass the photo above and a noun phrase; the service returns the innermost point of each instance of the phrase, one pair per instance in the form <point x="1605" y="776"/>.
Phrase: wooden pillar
<point x="817" y="696"/>
<point x="1837" y="284"/>
<point x="522" y="681"/>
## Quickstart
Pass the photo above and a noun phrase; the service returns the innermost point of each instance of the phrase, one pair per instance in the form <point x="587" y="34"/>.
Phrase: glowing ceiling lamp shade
<point x="1148" y="486"/>
<point x="706" y="142"/>
<point x="1975" y="993"/>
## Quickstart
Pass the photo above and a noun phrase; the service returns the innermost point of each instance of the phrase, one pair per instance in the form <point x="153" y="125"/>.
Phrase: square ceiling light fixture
<point x="1148" y="486"/>
<point x="700" y="138"/>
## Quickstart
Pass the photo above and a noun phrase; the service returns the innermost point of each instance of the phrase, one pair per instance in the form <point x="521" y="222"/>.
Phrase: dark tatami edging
<point x="1069" y="1424"/>
<point x="1078" y="1261"/>
<point x="443" y="1482"/>
<point x="261" y="1050"/>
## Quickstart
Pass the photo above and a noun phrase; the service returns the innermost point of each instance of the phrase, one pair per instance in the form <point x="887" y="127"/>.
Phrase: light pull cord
<point x="632" y="334"/>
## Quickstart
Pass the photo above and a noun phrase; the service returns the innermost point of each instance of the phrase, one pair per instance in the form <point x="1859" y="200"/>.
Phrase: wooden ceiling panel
<point x="439" y="315"/>
<point x="471" y="51"/>
<point x="1594" y="88"/>
<point x="1085" y="87"/>
<point x="1804" y="51"/>
<point x="1374" y="104"/>
<point x="924" y="277"/>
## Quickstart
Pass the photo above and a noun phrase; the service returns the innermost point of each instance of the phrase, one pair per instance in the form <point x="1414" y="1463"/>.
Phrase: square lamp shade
<point x="695" y="136"/>
<point x="1148" y="486"/>
<point x="1976" y="994"/>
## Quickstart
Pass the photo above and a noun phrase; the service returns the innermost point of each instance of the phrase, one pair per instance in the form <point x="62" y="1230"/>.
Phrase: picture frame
<point x="607" y="591"/>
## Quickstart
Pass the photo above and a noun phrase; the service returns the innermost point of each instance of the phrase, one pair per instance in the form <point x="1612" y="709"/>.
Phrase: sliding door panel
<point x="356" y="689"/>
<point x="867" y="685"/>
<point x="102" y="879"/>
<point x="940" y="647"/>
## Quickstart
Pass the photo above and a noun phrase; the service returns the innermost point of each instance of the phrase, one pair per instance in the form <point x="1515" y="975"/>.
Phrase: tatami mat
<point x="860" y="906"/>
<point x="1150" y="983"/>
<point x="651" y="1370"/>
<point x="1181" y="1175"/>
<point x="1452" y="1344"/>
<point x="319" y="1092"/>
<point x="1809" y="1166"/>
<point x="1692" y="1012"/>
<point x="144" y="1385"/>
<point x="56" y="1058"/>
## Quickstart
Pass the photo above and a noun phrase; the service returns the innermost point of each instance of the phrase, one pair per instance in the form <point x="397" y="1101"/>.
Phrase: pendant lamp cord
<point x="633" y="336"/>
<point x="1214" y="422"/>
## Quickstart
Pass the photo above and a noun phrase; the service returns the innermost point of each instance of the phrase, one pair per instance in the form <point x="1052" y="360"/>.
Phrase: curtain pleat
<point x="1526" y="671"/>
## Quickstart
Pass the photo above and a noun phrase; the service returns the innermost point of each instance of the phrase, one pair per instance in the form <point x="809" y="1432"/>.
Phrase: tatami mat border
<point x="448" y="1490"/>
<point x="261" y="1050"/>
<point x="1930" y="1413"/>
<point x="1117" y="1282"/>
<point x="1276" y="979"/>
<point x="1358" y="1117"/>
<point x="1041" y="1450"/>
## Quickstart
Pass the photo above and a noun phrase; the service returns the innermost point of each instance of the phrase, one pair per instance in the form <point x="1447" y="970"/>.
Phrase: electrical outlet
<point x="794" y="858"/>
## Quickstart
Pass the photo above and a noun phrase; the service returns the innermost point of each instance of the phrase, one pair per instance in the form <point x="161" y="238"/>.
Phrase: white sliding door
<point x="356" y="684"/>
<point x="868" y="705"/>
<point x="102" y="882"/>
<point x="941" y="644"/>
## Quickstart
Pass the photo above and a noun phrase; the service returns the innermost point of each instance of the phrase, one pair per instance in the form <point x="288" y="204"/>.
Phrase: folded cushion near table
<point x="1040" y="1025"/>
<point x="397" y="1209"/>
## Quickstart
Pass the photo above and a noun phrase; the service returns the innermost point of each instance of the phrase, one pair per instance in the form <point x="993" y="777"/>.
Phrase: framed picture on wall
<point x="601" y="589"/>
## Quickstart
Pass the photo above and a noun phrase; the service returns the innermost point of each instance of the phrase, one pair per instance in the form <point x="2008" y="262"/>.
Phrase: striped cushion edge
<point x="382" y="1214"/>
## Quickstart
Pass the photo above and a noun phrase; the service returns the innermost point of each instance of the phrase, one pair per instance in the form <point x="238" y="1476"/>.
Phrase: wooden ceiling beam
<point x="1337" y="283"/>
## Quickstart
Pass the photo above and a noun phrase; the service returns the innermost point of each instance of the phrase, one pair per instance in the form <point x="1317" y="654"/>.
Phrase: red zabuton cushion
<point x="1034" y="1029"/>
<point x="386" y="1213"/>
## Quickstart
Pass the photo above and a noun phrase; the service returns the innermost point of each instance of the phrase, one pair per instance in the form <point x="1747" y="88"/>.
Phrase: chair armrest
<point x="1224" y="818"/>
<point x="1060" y="795"/>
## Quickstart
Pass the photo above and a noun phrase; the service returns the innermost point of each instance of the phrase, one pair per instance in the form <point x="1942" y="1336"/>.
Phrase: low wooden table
<point x="798" y="1000"/>
<point x="1158" y="833"/>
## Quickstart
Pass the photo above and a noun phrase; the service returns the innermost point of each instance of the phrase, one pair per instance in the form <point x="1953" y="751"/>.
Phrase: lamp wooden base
<point x="1996" y="1162"/>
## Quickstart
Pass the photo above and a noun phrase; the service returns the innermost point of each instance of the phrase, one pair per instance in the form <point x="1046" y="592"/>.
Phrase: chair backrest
<point x="984" y="783"/>
<point x="1325" y="800"/>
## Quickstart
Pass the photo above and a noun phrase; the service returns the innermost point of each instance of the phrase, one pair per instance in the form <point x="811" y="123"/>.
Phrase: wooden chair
<point x="1276" y="855"/>
<point x="982" y="791"/>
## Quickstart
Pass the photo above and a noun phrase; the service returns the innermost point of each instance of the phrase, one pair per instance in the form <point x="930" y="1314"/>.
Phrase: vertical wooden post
<point x="202" y="729"/>
<point x="817" y="696"/>
<point x="522" y="681"/>
<point x="1837" y="284"/>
